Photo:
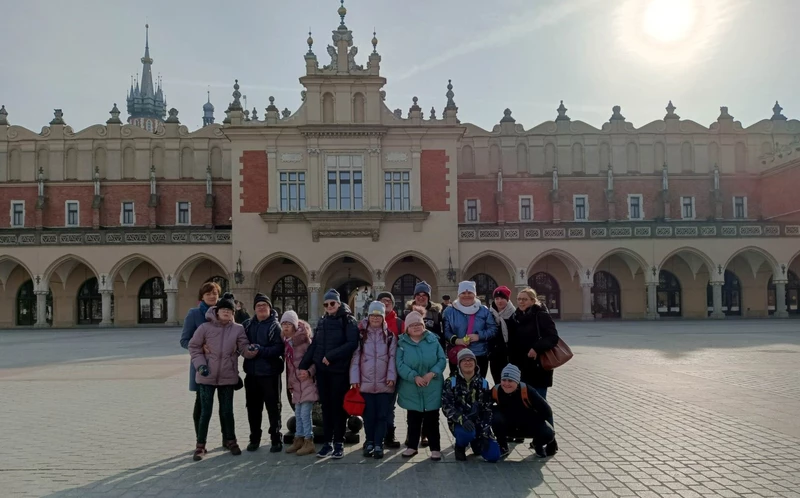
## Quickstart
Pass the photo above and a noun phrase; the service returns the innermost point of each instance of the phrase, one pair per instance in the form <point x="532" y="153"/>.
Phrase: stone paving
<point x="645" y="409"/>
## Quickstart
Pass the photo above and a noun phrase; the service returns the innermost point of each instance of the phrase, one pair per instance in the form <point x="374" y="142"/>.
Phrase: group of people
<point x="390" y="360"/>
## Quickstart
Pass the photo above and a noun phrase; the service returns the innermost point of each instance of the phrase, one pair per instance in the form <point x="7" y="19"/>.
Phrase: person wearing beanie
<point x="446" y="301"/>
<point x="520" y="412"/>
<point x="396" y="326"/>
<point x="374" y="373"/>
<point x="502" y="310"/>
<point x="302" y="392"/>
<point x="335" y="341"/>
<point x="214" y="348"/>
<point x="263" y="380"/>
<point x="468" y="409"/>
<point x="469" y="324"/>
<point x="420" y="367"/>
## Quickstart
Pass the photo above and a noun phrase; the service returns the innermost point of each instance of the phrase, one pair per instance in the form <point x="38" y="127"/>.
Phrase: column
<point x="172" y="308"/>
<point x="373" y="180"/>
<point x="652" y="301"/>
<point x="106" y="296"/>
<point x="586" y="288"/>
<point x="416" y="179"/>
<point x="41" y="309"/>
<point x="313" y="304"/>
<point x="716" y="288"/>
<point x="780" y="299"/>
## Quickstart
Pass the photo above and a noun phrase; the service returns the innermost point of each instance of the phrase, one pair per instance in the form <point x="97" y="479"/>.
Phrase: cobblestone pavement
<point x="644" y="409"/>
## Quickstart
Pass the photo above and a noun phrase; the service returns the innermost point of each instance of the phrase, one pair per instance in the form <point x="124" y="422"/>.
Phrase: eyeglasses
<point x="330" y="304"/>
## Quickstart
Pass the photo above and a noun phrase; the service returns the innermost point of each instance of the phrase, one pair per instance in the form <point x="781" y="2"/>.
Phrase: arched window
<point x="731" y="295"/>
<point x="485" y="285"/>
<point x="90" y="303"/>
<point x="403" y="290"/>
<point x="222" y="282"/>
<point x="606" y="301"/>
<point x="668" y="294"/>
<point x="548" y="291"/>
<point x="792" y="294"/>
<point x="153" y="301"/>
<point x="26" y="305"/>
<point x="289" y="293"/>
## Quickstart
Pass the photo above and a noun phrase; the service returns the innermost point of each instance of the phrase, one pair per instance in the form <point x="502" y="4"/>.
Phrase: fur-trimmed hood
<point x="431" y="306"/>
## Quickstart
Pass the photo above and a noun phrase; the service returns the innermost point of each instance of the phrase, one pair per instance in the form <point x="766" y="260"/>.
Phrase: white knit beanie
<point x="466" y="286"/>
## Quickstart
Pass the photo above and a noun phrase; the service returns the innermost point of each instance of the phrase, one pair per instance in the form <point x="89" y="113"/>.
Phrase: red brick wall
<point x="741" y="186"/>
<point x="18" y="193"/>
<point x="222" y="205"/>
<point x="169" y="195"/>
<point x="55" y="208"/>
<point x="255" y="182"/>
<point x="113" y="197"/>
<point x="538" y="188"/>
<point x="433" y="173"/>
<point x="779" y="195"/>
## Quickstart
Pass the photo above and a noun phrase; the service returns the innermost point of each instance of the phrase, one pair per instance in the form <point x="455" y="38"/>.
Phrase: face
<point x="421" y="299"/>
<point x="211" y="298"/>
<point x="501" y="303"/>
<point x="238" y="305"/>
<point x="467" y="366"/>
<point x="446" y="301"/>
<point x="331" y="307"/>
<point x="415" y="330"/>
<point x="467" y="298"/>
<point x="508" y="385"/>
<point x="524" y="301"/>
<point x="375" y="321"/>
<point x="225" y="315"/>
<point x="287" y="329"/>
<point x="387" y="303"/>
<point x="262" y="310"/>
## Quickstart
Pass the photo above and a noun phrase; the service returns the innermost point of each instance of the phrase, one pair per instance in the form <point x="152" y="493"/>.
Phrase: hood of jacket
<point x="431" y="306"/>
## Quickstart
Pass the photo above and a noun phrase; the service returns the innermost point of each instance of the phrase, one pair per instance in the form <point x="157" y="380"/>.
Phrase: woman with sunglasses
<point x="335" y="341"/>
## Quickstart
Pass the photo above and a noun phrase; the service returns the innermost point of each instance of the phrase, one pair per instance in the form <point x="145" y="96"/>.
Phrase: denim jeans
<point x="543" y="393"/>
<point x="302" y="417"/>
<point x="225" y="396"/>
<point x="376" y="413"/>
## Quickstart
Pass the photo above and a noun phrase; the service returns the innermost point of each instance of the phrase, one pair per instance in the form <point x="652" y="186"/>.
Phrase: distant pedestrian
<point x="241" y="312"/>
<point x="302" y="393"/>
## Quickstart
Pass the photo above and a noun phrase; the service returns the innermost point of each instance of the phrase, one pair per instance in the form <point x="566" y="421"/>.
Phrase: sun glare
<point x="669" y="21"/>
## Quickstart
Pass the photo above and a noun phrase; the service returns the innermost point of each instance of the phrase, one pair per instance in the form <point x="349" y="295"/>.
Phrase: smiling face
<point x="524" y="301"/>
<point x="508" y="385"/>
<point x="466" y="298"/>
<point x="211" y="297"/>
<point x="416" y="330"/>
<point x="388" y="304"/>
<point x="421" y="299"/>
<point x="375" y="321"/>
<point x="262" y="311"/>
<point x="331" y="307"/>
<point x="467" y="366"/>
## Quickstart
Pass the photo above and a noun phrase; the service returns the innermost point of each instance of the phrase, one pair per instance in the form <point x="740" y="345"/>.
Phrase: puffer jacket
<point x="417" y="359"/>
<point x="224" y="342"/>
<point x="335" y="338"/>
<point x="456" y="324"/>
<point x="373" y="363"/>
<point x="302" y="391"/>
<point x="194" y="318"/>
<point x="267" y="334"/>
<point x="432" y="318"/>
<point x="468" y="401"/>
<point x="523" y="336"/>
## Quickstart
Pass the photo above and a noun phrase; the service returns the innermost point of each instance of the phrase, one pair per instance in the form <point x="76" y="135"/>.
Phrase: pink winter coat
<point x="225" y="343"/>
<point x="373" y="363"/>
<point x="302" y="391"/>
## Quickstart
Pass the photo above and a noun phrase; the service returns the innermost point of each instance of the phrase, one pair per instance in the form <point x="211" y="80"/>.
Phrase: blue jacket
<point x="194" y="318"/>
<point x="456" y="323"/>
<point x="267" y="334"/>
<point x="416" y="359"/>
<point x="335" y="338"/>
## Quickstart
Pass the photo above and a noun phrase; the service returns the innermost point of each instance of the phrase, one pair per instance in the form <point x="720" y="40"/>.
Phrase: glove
<point x="468" y="426"/>
<point x="252" y="347"/>
<point x="203" y="369"/>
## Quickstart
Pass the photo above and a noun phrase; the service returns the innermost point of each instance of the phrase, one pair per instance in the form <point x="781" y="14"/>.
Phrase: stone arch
<point x="216" y="162"/>
<point x="694" y="258"/>
<point x="632" y="259"/>
<point x="8" y="264"/>
<point x="578" y="160"/>
<point x="687" y="157"/>
<point x="352" y="276"/>
<point x="285" y="279"/>
<point x="261" y="265"/>
<point x="359" y="108"/>
<point x="328" y="108"/>
<point x="189" y="265"/>
<point x="467" y="270"/>
<point x="632" y="157"/>
<point x="571" y="262"/>
<point x="467" y="163"/>
<point x="755" y="257"/>
<point x="414" y="263"/>
<point x="128" y="264"/>
<point x="69" y="261"/>
<point x="495" y="158"/>
<point x="415" y="254"/>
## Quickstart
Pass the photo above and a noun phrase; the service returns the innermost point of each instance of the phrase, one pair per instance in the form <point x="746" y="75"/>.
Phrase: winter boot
<point x="276" y="444"/>
<point x="551" y="448"/>
<point x="234" y="447"/>
<point x="308" y="448"/>
<point x="199" y="452"/>
<point x="461" y="453"/>
<point x="390" y="441"/>
<point x="296" y="444"/>
<point x="255" y="442"/>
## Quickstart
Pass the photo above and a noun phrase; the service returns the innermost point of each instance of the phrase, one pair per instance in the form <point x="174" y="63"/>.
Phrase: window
<point x="127" y="215"/>
<point x="472" y="211"/>
<point x="397" y="190"/>
<point x="72" y="216"/>
<point x="345" y="182"/>
<point x="687" y="208"/>
<point x="740" y="207"/>
<point x="184" y="213"/>
<point x="293" y="190"/>
<point x="18" y="214"/>
<point x="525" y="208"/>
<point x="635" y="211"/>
<point x="580" y="205"/>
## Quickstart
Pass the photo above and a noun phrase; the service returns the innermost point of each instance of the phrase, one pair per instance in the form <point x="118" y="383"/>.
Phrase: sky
<point x="526" y="55"/>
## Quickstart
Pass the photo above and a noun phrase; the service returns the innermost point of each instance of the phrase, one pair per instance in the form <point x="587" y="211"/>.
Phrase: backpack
<point x="523" y="392"/>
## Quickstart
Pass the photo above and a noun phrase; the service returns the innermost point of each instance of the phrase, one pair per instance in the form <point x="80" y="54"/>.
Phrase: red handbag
<point x="354" y="403"/>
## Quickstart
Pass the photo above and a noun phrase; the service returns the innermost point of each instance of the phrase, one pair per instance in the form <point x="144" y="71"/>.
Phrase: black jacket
<point x="267" y="334"/>
<point x="335" y="338"/>
<point x="514" y="410"/>
<point x="241" y="316"/>
<point x="524" y="336"/>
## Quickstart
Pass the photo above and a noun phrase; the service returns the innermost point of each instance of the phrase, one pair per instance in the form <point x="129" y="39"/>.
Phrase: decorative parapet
<point x="340" y="224"/>
<point x="112" y="237"/>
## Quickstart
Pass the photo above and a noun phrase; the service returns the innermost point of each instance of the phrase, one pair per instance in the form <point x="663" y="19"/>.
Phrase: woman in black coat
<point x="531" y="334"/>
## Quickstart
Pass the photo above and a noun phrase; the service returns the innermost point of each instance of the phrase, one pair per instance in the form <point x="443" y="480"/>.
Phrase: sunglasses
<point x="330" y="304"/>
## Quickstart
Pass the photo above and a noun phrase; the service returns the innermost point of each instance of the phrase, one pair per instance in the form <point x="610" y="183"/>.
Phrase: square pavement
<point x="672" y="408"/>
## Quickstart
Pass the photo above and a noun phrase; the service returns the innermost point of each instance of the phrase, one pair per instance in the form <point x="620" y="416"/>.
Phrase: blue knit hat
<point x="332" y="295"/>
<point x="423" y="287"/>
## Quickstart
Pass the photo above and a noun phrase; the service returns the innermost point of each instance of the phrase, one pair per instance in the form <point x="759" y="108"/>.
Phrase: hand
<point x="460" y="342"/>
<point x="326" y="362"/>
<point x="390" y="383"/>
<point x="253" y="347"/>
<point x="468" y="425"/>
<point x="355" y="386"/>
<point x="206" y="349"/>
<point x="203" y="369"/>
<point x="419" y="309"/>
<point x="474" y="338"/>
<point x="302" y="374"/>
<point x="532" y="354"/>
<point x="429" y="377"/>
<point x="420" y="381"/>
<point x="250" y="353"/>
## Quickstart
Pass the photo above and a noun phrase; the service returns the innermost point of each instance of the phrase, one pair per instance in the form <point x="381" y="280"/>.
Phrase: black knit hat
<point x="226" y="304"/>
<point x="228" y="295"/>
<point x="385" y="294"/>
<point x="261" y="298"/>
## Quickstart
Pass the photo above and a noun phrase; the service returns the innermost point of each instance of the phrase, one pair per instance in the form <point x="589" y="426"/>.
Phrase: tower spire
<point x="147" y="62"/>
<point x="147" y="103"/>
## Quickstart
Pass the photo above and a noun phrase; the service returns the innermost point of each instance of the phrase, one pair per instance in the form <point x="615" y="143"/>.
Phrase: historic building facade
<point x="119" y="224"/>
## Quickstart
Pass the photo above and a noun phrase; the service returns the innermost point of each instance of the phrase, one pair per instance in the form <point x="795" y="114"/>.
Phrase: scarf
<point x="468" y="310"/>
<point x="501" y="317"/>
<point x="288" y="350"/>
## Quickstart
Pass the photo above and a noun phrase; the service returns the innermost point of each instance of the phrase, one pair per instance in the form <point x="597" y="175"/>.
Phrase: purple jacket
<point x="225" y="343"/>
<point x="373" y="363"/>
<point x="302" y="391"/>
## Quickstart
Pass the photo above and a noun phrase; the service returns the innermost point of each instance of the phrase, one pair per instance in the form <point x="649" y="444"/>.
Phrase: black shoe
<point x="551" y="448"/>
<point x="461" y="454"/>
<point x="540" y="452"/>
<point x="377" y="453"/>
<point x="504" y="452"/>
<point x="368" y="448"/>
<point x="338" y="451"/>
<point x="276" y="447"/>
<point x="424" y="442"/>
<point x="390" y="441"/>
<point x="325" y="451"/>
<point x="253" y="445"/>
<point x="518" y="440"/>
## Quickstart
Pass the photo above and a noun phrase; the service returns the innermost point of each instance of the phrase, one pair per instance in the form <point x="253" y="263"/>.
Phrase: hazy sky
<point x="522" y="54"/>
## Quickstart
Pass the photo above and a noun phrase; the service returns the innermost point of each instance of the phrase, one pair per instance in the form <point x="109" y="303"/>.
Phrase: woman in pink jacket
<point x="373" y="370"/>
<point x="303" y="393"/>
<point x="215" y="348"/>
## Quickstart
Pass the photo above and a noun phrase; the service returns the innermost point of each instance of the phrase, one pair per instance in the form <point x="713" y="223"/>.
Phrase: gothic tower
<point x="147" y="106"/>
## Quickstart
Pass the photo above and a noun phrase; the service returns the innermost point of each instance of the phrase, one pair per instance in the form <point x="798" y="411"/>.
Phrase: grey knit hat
<point x="332" y="295"/>
<point x="511" y="372"/>
<point x="466" y="353"/>
<point x="376" y="308"/>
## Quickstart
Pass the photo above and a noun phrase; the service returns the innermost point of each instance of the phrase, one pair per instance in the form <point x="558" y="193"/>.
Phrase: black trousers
<point x="261" y="391"/>
<point x="539" y="430"/>
<point x="497" y="362"/>
<point x="332" y="387"/>
<point x="423" y="423"/>
<point x="205" y="396"/>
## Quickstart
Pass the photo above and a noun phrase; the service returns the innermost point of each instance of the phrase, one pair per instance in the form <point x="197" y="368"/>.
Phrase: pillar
<point x="41" y="309"/>
<point x="652" y="301"/>
<point x="586" y="289"/>
<point x="172" y="309"/>
<point x="716" y="288"/>
<point x="106" y="296"/>
<point x="313" y="304"/>
<point x="780" y="300"/>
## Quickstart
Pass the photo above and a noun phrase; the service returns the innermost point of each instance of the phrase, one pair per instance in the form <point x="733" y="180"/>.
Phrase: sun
<point x="669" y="21"/>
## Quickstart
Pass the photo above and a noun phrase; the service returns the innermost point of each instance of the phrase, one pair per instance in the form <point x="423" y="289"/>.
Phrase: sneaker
<point x="540" y="452"/>
<point x="551" y="448"/>
<point x="377" y="453"/>
<point x="326" y="451"/>
<point x="436" y="456"/>
<point x="461" y="454"/>
<point x="368" y="448"/>
<point x="338" y="450"/>
<point x="408" y="453"/>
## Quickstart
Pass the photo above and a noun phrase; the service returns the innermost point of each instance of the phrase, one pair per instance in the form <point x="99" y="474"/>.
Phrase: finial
<point x="246" y="115"/>
<point x="3" y="116"/>
<point x="507" y="117"/>
<point x="342" y="12"/>
<point x="374" y="42"/>
<point x="616" y="115"/>
<point x="433" y="113"/>
<point x="114" y="115"/>
<point x="451" y="104"/>
<point x="272" y="107"/>
<point x="147" y="36"/>
<point x="562" y="113"/>
<point x="208" y="92"/>
<point x="671" y="111"/>
<point x="236" y="105"/>
<point x="415" y="106"/>
<point x="776" y="113"/>
<point x="310" y="42"/>
<point x="398" y="113"/>
<point x="255" y="114"/>
<point x="723" y="113"/>
<point x="286" y="112"/>
<point x="58" y="117"/>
